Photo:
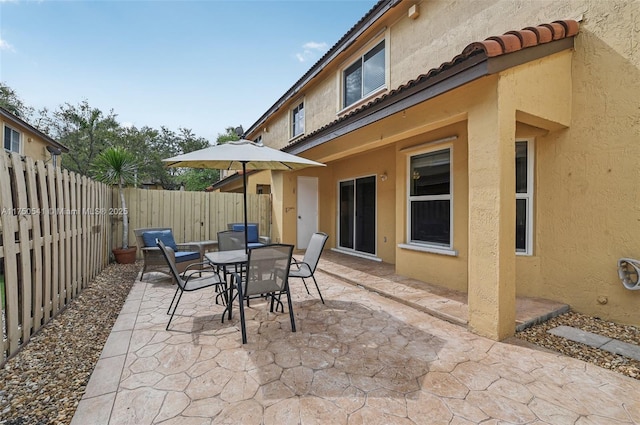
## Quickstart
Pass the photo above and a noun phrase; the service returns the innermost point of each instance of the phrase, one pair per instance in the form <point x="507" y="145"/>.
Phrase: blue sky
<point x="203" y="65"/>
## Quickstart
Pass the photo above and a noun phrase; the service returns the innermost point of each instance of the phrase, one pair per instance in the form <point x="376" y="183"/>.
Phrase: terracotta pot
<point x="125" y="256"/>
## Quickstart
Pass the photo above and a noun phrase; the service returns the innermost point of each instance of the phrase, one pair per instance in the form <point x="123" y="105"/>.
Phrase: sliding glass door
<point x="357" y="214"/>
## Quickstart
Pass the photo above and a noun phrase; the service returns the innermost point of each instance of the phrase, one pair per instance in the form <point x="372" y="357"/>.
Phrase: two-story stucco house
<point x="487" y="146"/>
<point x="21" y="137"/>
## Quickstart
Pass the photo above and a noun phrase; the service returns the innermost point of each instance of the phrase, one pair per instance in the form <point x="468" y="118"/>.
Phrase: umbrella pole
<point x="244" y="183"/>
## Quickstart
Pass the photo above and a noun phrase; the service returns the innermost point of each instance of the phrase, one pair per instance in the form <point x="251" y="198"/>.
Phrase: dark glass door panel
<point x="366" y="215"/>
<point x="347" y="208"/>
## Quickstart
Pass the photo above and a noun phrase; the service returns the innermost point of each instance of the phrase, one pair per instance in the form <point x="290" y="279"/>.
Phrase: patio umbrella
<point x="241" y="155"/>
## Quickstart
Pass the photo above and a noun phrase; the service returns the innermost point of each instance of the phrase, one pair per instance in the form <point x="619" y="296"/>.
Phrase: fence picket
<point x="57" y="230"/>
<point x="36" y="244"/>
<point x="45" y="222"/>
<point x="24" y="265"/>
<point x="9" y="228"/>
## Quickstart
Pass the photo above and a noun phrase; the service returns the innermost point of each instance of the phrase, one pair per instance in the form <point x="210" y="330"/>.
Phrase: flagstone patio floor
<point x="378" y="352"/>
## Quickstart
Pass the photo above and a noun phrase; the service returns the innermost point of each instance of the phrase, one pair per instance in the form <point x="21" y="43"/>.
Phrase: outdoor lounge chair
<point x="184" y="254"/>
<point x="267" y="274"/>
<point x="187" y="281"/>
<point x="307" y="267"/>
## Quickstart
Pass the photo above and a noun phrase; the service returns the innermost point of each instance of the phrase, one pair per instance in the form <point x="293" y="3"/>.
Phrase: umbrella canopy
<point x="241" y="155"/>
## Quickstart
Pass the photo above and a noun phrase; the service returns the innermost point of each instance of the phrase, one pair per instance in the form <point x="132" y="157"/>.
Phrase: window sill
<point x="362" y="101"/>
<point x="294" y="138"/>
<point x="429" y="249"/>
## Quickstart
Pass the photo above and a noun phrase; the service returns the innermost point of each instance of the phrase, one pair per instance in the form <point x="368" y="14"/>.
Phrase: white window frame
<point x="16" y="132"/>
<point x="446" y="249"/>
<point x="528" y="196"/>
<point x="341" y="102"/>
<point x="292" y="119"/>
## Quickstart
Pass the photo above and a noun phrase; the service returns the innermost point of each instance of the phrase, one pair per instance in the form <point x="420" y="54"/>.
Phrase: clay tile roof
<point x="509" y="42"/>
<point x="517" y="40"/>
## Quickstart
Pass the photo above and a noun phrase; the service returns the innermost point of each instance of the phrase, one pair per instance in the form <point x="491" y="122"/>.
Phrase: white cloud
<point x="6" y="46"/>
<point x="311" y="50"/>
<point x="315" y="46"/>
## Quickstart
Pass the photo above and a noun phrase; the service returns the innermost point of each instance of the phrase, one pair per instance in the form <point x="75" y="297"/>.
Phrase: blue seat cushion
<point x="252" y="232"/>
<point x="186" y="256"/>
<point x="255" y="244"/>
<point x="149" y="238"/>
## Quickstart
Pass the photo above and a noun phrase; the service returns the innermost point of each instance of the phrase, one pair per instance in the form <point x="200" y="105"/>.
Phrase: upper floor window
<point x="430" y="191"/>
<point x="364" y="76"/>
<point x="11" y="139"/>
<point x="524" y="197"/>
<point x="297" y="120"/>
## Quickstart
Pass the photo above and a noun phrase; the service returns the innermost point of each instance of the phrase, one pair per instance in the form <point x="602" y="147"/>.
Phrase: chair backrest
<point x="140" y="232"/>
<point x="149" y="237"/>
<point x="268" y="269"/>
<point x="174" y="271"/>
<point x="252" y="231"/>
<point x="229" y="240"/>
<point x="314" y="250"/>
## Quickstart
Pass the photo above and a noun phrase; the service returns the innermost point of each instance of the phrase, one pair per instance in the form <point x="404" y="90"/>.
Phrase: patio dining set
<point x="243" y="267"/>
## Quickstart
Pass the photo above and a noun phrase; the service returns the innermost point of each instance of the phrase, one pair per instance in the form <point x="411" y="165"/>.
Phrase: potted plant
<point x="116" y="165"/>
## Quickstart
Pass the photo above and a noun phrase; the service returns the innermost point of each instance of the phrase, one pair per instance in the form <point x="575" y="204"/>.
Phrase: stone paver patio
<point x="358" y="359"/>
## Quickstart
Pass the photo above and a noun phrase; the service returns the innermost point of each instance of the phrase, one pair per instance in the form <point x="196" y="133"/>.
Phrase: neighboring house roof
<point x="478" y="59"/>
<point x="228" y="180"/>
<point x="22" y="123"/>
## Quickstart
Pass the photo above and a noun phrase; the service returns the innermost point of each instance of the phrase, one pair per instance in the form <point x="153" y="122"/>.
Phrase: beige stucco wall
<point x="588" y="204"/>
<point x="586" y="126"/>
<point x="31" y="145"/>
<point x="448" y="271"/>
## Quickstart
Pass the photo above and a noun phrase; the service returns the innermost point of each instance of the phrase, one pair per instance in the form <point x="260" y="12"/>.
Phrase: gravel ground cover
<point x="538" y="335"/>
<point x="45" y="381"/>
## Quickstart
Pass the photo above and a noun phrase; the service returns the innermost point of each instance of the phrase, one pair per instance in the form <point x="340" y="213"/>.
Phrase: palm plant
<point x="116" y="165"/>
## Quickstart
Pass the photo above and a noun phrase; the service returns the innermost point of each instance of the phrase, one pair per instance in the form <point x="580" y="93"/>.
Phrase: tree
<point x="86" y="131"/>
<point x="10" y="101"/>
<point x="116" y="165"/>
<point x="198" y="179"/>
<point x="229" y="135"/>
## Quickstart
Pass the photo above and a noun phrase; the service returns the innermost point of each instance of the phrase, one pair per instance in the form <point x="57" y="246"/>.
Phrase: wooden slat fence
<point x="52" y="243"/>
<point x="57" y="230"/>
<point x="193" y="216"/>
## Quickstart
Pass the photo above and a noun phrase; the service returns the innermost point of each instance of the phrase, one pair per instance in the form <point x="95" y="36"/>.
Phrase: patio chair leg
<point x="305" y="285"/>
<point x="243" y="328"/>
<point x="276" y="300"/>
<point x="293" y="321"/>
<point x="221" y="293"/>
<point x="174" y="310"/>
<point x="172" y="300"/>
<point x="229" y="298"/>
<point x="318" y="288"/>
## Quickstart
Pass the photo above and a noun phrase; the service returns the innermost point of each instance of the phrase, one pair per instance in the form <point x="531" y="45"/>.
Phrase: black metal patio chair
<point x="307" y="267"/>
<point x="266" y="274"/>
<point x="188" y="281"/>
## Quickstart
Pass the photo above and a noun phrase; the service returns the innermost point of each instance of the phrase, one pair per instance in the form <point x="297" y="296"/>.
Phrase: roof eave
<point x="470" y="69"/>
<point x="347" y="40"/>
<point x="20" y="122"/>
